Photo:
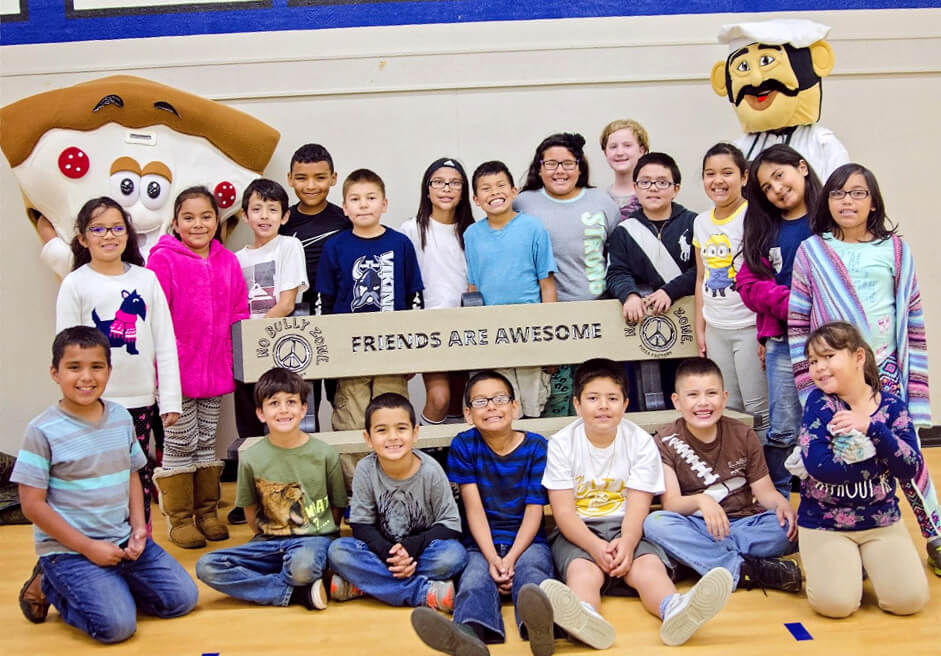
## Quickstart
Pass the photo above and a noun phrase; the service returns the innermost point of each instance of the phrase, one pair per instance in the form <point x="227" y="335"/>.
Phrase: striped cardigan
<point x="821" y="292"/>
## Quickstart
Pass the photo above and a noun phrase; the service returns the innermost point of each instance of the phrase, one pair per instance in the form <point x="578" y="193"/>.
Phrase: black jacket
<point x="630" y="269"/>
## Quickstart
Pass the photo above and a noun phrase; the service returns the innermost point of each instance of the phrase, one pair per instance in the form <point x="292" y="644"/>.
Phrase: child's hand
<point x="717" y="522"/>
<point x="786" y="517"/>
<point x="104" y="554"/>
<point x="701" y="343"/>
<point x="634" y="309"/>
<point x="501" y="571"/>
<point x="658" y="302"/>
<point x="400" y="563"/>
<point x="845" y="421"/>
<point x="169" y="418"/>
<point x="599" y="553"/>
<point x="135" y="546"/>
<point x="622" y="556"/>
<point x="762" y="351"/>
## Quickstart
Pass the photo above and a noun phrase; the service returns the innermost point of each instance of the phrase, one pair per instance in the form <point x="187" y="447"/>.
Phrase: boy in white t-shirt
<point x="275" y="271"/>
<point x="602" y="472"/>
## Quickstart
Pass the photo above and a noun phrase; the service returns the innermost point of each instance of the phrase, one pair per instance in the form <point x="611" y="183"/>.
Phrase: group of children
<point x="773" y="231"/>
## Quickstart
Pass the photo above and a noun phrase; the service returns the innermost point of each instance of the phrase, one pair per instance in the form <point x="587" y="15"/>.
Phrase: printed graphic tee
<point x="723" y="469"/>
<point x="601" y="477"/>
<point x="379" y="274"/>
<point x="313" y="231"/>
<point x="719" y="242"/>
<point x="294" y="489"/>
<point x="277" y="266"/>
<point x="400" y="508"/>
<point x="579" y="229"/>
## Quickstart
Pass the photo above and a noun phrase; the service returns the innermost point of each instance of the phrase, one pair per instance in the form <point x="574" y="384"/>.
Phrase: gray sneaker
<point x="535" y="612"/>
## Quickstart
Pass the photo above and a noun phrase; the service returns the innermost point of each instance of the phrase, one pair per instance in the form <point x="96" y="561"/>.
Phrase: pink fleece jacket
<point x="206" y="296"/>
<point x="766" y="298"/>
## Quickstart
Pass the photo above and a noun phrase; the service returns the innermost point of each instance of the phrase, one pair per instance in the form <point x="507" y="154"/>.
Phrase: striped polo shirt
<point x="85" y="469"/>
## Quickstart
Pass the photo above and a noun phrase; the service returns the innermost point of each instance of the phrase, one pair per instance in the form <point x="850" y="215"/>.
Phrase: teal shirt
<point x="871" y="267"/>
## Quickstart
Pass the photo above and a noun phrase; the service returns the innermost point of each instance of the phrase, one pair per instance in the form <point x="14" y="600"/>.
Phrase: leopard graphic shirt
<point x="293" y="490"/>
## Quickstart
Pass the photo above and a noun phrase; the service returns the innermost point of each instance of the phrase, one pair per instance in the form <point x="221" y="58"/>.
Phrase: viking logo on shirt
<point x="374" y="282"/>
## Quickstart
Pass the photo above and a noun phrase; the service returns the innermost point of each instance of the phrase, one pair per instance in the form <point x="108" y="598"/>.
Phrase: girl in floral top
<point x="855" y="442"/>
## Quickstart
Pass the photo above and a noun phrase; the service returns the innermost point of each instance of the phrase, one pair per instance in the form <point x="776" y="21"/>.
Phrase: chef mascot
<point x="773" y="77"/>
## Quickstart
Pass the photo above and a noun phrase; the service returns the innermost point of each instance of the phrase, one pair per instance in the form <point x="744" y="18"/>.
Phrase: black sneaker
<point x="237" y="516"/>
<point x="441" y="634"/>
<point x="774" y="573"/>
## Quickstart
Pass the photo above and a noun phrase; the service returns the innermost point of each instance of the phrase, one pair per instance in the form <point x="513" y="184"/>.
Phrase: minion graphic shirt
<point x="719" y="242"/>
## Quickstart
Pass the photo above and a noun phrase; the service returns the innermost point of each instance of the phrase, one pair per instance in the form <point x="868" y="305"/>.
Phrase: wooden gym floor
<point x="751" y="624"/>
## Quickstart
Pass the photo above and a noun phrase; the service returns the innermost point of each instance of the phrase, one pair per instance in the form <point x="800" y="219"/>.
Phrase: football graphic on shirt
<point x="132" y="139"/>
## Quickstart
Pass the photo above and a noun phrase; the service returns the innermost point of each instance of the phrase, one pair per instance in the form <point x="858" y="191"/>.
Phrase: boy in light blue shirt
<point x="510" y="261"/>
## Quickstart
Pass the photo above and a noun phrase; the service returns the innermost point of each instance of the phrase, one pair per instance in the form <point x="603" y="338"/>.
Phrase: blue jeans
<point x="785" y="413"/>
<point x="265" y="571"/>
<point x="478" y="599"/>
<point x="686" y="540"/>
<point x="103" y="601"/>
<point x="353" y="560"/>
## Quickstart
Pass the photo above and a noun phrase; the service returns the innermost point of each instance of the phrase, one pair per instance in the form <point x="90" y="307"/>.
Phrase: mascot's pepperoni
<point x="137" y="141"/>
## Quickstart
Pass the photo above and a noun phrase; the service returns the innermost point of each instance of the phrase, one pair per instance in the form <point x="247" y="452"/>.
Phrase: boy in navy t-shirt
<point x="370" y="268"/>
<point x="499" y="471"/>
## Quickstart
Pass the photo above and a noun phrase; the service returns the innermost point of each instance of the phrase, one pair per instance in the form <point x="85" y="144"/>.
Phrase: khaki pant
<point x="833" y="563"/>
<point x="531" y="387"/>
<point x="349" y="410"/>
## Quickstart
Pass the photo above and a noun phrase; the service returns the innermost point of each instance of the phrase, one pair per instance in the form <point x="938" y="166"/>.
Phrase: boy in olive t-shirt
<point x="291" y="487"/>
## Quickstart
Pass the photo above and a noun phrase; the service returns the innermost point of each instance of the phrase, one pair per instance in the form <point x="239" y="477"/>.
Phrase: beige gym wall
<point x="395" y="98"/>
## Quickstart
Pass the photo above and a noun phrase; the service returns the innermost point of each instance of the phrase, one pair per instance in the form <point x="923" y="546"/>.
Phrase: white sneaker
<point x="318" y="595"/>
<point x="687" y="612"/>
<point x="580" y="620"/>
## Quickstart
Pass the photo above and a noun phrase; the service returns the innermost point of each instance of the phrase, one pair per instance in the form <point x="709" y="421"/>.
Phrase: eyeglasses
<point x="438" y="183"/>
<point x="566" y="164"/>
<point x="101" y="231"/>
<point x="659" y="184"/>
<point x="482" y="401"/>
<point x="855" y="194"/>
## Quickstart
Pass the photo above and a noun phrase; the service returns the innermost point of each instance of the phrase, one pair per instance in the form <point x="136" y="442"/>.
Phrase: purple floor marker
<point x="796" y="628"/>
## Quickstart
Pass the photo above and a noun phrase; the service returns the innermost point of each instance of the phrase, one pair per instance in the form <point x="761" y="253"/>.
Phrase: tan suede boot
<point x="207" y="491"/>
<point x="176" y="503"/>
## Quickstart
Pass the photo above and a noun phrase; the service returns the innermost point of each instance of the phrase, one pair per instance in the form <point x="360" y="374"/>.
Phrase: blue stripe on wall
<point x="47" y="21"/>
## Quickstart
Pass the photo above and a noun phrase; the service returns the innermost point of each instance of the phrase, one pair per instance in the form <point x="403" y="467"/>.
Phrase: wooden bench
<point x="442" y="434"/>
<point x="456" y="339"/>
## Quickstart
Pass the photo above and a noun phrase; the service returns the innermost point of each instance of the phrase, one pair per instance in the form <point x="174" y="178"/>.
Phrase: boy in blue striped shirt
<point x="499" y="471"/>
<point x="78" y="485"/>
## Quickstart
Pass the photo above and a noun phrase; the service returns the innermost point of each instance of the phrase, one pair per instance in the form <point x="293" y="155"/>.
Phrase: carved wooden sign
<point x="373" y="343"/>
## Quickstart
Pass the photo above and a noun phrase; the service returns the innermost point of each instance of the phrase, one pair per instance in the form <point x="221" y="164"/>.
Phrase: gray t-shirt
<point x="579" y="229"/>
<point x="402" y="508"/>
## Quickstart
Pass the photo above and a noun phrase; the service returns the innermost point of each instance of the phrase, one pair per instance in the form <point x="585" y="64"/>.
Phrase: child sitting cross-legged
<point x="499" y="471"/>
<point x="405" y="549"/>
<point x="602" y="472"/>
<point x="291" y="487"/>
<point x="720" y="508"/>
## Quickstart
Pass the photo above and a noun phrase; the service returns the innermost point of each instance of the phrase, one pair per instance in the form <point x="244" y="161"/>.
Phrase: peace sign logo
<point x="293" y="353"/>
<point x="658" y="333"/>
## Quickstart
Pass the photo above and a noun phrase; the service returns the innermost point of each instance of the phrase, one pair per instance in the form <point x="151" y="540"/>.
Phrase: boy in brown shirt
<point x="720" y="508"/>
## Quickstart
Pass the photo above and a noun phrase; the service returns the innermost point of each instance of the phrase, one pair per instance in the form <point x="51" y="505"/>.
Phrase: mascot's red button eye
<point x="73" y="162"/>
<point x="225" y="194"/>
